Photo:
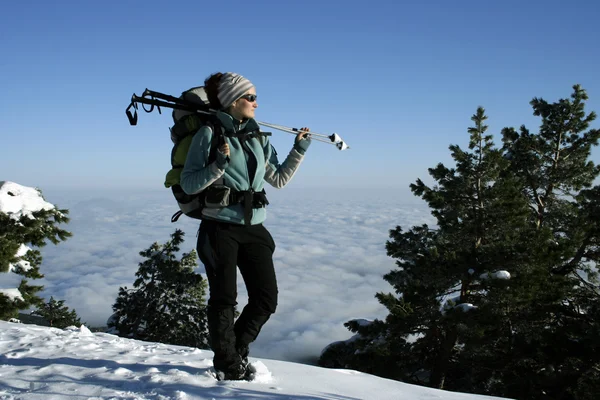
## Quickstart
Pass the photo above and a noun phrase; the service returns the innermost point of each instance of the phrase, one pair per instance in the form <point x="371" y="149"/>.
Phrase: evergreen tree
<point x="57" y="314"/>
<point x="442" y="278"/>
<point x="16" y="234"/>
<point x="502" y="296"/>
<point x="557" y="344"/>
<point x="167" y="302"/>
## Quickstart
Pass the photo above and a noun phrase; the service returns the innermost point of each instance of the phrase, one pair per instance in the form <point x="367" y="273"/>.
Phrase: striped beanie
<point x="232" y="86"/>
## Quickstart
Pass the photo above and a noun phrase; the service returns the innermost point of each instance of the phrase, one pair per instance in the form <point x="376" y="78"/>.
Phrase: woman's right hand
<point x="224" y="149"/>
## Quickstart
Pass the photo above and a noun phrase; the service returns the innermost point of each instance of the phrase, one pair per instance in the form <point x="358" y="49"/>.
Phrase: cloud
<point x="330" y="259"/>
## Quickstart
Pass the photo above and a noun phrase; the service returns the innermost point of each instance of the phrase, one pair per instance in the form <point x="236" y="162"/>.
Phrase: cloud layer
<point x="330" y="258"/>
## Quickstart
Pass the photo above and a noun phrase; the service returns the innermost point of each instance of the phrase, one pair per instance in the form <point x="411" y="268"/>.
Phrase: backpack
<point x="185" y="125"/>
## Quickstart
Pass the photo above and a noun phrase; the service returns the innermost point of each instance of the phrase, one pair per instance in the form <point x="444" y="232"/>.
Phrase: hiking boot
<point x="236" y="372"/>
<point x="229" y="366"/>
<point x="243" y="351"/>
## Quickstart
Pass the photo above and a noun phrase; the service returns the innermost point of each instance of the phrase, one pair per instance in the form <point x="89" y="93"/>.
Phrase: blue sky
<point x="397" y="80"/>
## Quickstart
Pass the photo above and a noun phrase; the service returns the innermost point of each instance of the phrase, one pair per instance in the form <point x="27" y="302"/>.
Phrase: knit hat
<point x="232" y="86"/>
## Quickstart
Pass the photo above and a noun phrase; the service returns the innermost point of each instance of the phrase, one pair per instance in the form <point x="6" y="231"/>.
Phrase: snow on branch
<point x="17" y="200"/>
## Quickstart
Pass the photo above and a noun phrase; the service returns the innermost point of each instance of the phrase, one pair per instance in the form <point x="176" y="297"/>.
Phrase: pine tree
<point x="167" y="302"/>
<point x="527" y="212"/>
<point x="16" y="235"/>
<point x="482" y="225"/>
<point x="442" y="275"/>
<point x="57" y="314"/>
<point x="556" y="346"/>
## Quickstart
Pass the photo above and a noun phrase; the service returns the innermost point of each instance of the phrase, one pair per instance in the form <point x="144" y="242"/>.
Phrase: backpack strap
<point x="189" y="125"/>
<point x="186" y="125"/>
<point x="245" y="135"/>
<point x="249" y="200"/>
<point x="217" y="140"/>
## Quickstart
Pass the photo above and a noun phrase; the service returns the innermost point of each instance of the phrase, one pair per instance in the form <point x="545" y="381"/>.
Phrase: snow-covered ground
<point x="39" y="363"/>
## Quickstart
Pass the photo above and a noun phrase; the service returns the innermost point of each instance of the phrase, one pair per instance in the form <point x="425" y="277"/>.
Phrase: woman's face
<point x="243" y="108"/>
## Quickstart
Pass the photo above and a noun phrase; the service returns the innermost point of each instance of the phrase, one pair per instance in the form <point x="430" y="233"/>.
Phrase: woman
<point x="233" y="235"/>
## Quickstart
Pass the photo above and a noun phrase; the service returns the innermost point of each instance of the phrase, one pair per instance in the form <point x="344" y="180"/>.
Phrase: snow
<point x="25" y="265"/>
<point x="504" y="275"/>
<point x="452" y="301"/>
<point x="12" y="294"/>
<point x="501" y="275"/>
<point x="465" y="307"/>
<point x="40" y="363"/>
<point x="17" y="200"/>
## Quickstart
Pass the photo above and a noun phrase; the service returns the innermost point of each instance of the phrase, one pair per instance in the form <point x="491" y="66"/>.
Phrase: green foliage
<point x="528" y="211"/>
<point x="57" y="314"/>
<point x="34" y="231"/>
<point x="372" y="354"/>
<point x="553" y="164"/>
<point x="167" y="303"/>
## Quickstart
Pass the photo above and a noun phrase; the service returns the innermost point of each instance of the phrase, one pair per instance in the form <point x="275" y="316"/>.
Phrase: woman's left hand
<point x="302" y="140"/>
<point x="303" y="134"/>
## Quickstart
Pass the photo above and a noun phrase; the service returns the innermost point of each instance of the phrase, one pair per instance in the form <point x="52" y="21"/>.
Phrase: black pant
<point x="222" y="247"/>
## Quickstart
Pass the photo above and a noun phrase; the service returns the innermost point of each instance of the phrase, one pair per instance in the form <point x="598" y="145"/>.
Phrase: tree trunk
<point x="438" y="373"/>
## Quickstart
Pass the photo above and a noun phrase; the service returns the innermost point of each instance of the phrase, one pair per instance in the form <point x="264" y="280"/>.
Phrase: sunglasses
<point x="249" y="97"/>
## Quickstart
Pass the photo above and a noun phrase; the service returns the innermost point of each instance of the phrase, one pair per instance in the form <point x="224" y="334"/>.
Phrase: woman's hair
<point x="211" y="87"/>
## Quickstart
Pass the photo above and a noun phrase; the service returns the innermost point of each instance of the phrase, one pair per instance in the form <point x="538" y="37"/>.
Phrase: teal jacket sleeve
<point x="196" y="175"/>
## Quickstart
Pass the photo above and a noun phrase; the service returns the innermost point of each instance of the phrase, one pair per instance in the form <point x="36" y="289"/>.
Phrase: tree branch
<point x="572" y="265"/>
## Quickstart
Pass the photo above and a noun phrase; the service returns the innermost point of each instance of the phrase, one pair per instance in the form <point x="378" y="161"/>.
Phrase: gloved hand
<point x="223" y="156"/>
<point x="302" y="141"/>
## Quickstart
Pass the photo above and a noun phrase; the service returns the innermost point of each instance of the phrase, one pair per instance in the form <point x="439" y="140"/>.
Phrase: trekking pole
<point x="334" y="139"/>
<point x="294" y="131"/>
<point x="158" y="100"/>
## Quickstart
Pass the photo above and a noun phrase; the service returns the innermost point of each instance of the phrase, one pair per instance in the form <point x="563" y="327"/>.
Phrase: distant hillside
<point x="36" y="320"/>
<point x="33" y="319"/>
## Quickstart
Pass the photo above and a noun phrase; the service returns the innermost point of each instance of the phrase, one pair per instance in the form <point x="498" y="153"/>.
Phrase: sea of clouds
<point x="330" y="257"/>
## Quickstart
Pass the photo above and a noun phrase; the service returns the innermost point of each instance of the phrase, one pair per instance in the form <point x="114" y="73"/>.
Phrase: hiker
<point x="231" y="232"/>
